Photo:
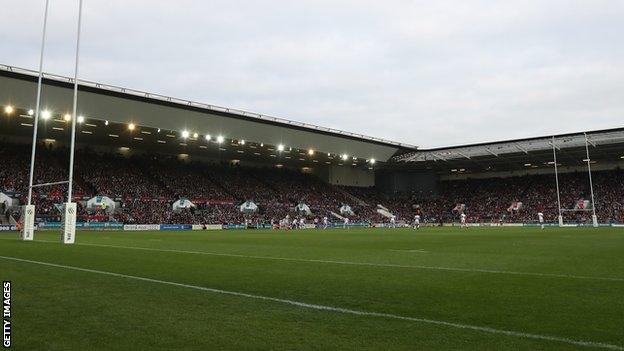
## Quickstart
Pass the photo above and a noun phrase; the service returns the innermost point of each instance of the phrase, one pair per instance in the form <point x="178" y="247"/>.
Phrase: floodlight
<point x="262" y="145"/>
<point x="220" y="139"/>
<point x="311" y="152"/>
<point x="345" y="157"/>
<point x="195" y="135"/>
<point x="8" y="109"/>
<point x="185" y="134"/>
<point x="158" y="131"/>
<point x="105" y="123"/>
<point x="31" y="112"/>
<point x="131" y="126"/>
<point x="372" y="161"/>
<point x="280" y="147"/>
<point x="80" y="119"/>
<point x="207" y="137"/>
<point x="67" y="117"/>
<point x="46" y="114"/>
<point x="242" y="142"/>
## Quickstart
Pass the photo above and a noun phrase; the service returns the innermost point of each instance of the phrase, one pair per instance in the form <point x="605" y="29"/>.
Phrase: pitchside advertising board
<point x="133" y="227"/>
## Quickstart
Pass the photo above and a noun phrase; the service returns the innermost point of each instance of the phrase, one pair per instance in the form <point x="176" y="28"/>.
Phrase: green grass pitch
<point x="357" y="289"/>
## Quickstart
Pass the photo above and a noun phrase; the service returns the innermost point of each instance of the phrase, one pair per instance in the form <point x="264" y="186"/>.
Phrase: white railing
<point x="211" y="107"/>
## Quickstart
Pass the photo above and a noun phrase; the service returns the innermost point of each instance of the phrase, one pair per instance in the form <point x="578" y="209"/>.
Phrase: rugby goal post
<point x="584" y="208"/>
<point x="69" y="209"/>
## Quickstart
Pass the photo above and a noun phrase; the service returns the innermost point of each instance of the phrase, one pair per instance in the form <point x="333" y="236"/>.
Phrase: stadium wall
<point x="392" y="182"/>
<point x="340" y="175"/>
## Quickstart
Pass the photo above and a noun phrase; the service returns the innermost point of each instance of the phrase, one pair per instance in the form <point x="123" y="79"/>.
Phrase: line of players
<point x="300" y="223"/>
<point x="462" y="220"/>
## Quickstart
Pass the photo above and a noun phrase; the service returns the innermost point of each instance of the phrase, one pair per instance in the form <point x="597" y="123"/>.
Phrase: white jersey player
<point x="393" y="222"/>
<point x="462" y="220"/>
<point x="287" y="222"/>
<point x="540" y="218"/>
<point x="301" y="223"/>
<point x="346" y="222"/>
<point x="325" y="222"/>
<point x="417" y="222"/>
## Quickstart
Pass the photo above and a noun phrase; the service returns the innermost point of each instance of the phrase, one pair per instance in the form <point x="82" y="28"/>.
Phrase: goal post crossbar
<point x="49" y="184"/>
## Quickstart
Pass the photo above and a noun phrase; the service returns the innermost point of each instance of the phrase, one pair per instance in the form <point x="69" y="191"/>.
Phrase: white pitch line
<point x="408" y="250"/>
<point x="349" y="263"/>
<point x="336" y="309"/>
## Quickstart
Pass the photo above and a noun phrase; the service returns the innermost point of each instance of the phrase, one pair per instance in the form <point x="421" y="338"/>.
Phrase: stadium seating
<point x="146" y="186"/>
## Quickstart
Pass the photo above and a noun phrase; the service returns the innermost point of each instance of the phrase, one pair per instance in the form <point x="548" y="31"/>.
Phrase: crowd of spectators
<point x="145" y="187"/>
<point x="490" y="200"/>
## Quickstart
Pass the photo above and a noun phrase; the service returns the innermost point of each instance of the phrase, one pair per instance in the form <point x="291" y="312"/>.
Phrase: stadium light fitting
<point x="311" y="152"/>
<point x="105" y="123"/>
<point x="131" y="126"/>
<point x="345" y="157"/>
<point x="80" y="119"/>
<point x="8" y="109"/>
<point x="328" y="154"/>
<point x="185" y="134"/>
<point x="46" y="114"/>
<point x="31" y="112"/>
<point x="220" y="139"/>
<point x="207" y="137"/>
<point x="195" y="135"/>
<point x="261" y="144"/>
<point x="372" y="161"/>
<point x="67" y="117"/>
<point x="280" y="147"/>
<point x="158" y="131"/>
<point x="242" y="142"/>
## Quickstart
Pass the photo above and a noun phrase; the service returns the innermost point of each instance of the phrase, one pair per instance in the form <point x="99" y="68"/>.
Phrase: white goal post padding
<point x="28" y="222"/>
<point x="68" y="225"/>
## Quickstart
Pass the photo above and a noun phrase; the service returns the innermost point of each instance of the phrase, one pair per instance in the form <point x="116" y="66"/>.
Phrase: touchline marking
<point x="408" y="250"/>
<point x="349" y="263"/>
<point x="335" y="309"/>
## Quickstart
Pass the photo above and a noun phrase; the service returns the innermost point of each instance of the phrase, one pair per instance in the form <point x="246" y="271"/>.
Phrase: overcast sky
<point x="429" y="73"/>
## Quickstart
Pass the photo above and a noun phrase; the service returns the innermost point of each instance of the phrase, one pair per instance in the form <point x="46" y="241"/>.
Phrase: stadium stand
<point x="146" y="186"/>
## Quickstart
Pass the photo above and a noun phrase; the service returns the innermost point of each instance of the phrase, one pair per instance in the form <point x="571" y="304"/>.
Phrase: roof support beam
<point x="522" y="149"/>
<point x="462" y="154"/>
<point x="438" y="157"/>
<point x="491" y="152"/>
